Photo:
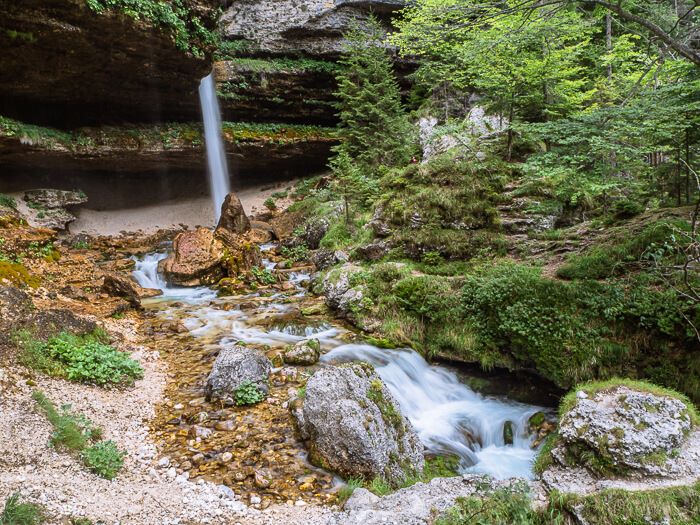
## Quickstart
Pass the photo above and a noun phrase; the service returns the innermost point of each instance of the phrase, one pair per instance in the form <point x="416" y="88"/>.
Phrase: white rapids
<point x="450" y="418"/>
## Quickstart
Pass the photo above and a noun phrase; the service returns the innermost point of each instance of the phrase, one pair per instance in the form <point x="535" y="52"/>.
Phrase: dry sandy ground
<point x="163" y="215"/>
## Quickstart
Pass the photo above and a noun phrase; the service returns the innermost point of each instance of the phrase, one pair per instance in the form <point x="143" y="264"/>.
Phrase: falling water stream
<point x="219" y="181"/>
<point x="450" y="418"/>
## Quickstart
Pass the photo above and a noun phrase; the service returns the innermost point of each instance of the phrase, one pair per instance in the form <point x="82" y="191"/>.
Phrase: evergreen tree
<point x="373" y="125"/>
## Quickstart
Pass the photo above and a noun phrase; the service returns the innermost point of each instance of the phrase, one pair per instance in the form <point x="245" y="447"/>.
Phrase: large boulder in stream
<point x="624" y="430"/>
<point x="305" y="353"/>
<point x="235" y="367"/>
<point x="196" y="259"/>
<point x="233" y="218"/>
<point x="353" y="425"/>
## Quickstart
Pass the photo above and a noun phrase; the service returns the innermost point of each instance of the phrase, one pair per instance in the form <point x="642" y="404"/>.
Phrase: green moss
<point x="188" y="29"/>
<point x="594" y="387"/>
<point x="389" y="413"/>
<point x="284" y="64"/>
<point x="544" y="457"/>
<point x="17" y="274"/>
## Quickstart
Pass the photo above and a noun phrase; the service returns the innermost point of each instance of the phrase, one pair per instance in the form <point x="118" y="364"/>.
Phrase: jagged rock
<point x="353" y="425"/>
<point x="261" y="232"/>
<point x="373" y="251"/>
<point x="420" y="503"/>
<point x="234" y="366"/>
<point x="15" y="308"/>
<point x="340" y="294"/>
<point x="323" y="258"/>
<point x="626" y="429"/>
<point x="233" y="217"/>
<point x="284" y="224"/>
<point x="314" y="230"/>
<point x="303" y="353"/>
<point x="50" y="198"/>
<point x="196" y="259"/>
<point x="119" y="285"/>
<point x="379" y="224"/>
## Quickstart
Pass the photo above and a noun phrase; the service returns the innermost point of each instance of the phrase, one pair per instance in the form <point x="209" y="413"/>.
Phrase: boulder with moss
<point x="235" y="367"/>
<point x="306" y="352"/>
<point x="628" y="428"/>
<point x="353" y="425"/>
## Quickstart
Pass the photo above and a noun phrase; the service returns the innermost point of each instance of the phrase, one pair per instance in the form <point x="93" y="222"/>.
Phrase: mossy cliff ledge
<point x="60" y="60"/>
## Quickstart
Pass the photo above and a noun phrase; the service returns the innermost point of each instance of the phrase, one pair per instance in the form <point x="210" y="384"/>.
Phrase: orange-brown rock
<point x="196" y="259"/>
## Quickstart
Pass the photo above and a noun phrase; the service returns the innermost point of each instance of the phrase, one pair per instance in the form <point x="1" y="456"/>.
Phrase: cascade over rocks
<point x="353" y="425"/>
<point x="626" y="430"/>
<point x="235" y="366"/>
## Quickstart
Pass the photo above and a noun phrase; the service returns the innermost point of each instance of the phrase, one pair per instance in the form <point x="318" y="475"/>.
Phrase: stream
<point x="254" y="449"/>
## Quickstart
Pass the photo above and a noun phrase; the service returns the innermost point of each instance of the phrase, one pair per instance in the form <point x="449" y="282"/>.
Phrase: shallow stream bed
<point x="255" y="450"/>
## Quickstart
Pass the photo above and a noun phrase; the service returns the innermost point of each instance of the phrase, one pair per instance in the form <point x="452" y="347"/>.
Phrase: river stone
<point x="353" y="425"/>
<point x="52" y="199"/>
<point x="631" y="429"/>
<point x="233" y="217"/>
<point x="118" y="285"/>
<point x="303" y="353"/>
<point x="340" y="294"/>
<point x="196" y="259"/>
<point x="234" y="366"/>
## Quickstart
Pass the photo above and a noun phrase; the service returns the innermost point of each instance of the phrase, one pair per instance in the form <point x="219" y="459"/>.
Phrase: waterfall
<point x="216" y="154"/>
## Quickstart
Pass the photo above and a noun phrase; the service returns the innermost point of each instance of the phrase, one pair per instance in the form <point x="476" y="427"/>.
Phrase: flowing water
<point x="450" y="418"/>
<point x="219" y="182"/>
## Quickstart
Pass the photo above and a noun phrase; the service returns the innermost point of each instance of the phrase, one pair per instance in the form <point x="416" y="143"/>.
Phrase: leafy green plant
<point x="296" y="253"/>
<point x="263" y="275"/>
<point x="80" y="358"/>
<point x="248" y="394"/>
<point x="104" y="459"/>
<point x="81" y="245"/>
<point x="17" y="512"/>
<point x="71" y="431"/>
<point x="7" y="202"/>
<point x="270" y="204"/>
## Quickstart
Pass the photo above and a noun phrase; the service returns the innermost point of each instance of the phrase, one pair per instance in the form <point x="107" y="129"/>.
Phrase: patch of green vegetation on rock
<point x="188" y="29"/>
<point x="284" y="64"/>
<point x="17" y="274"/>
<point x="673" y="506"/>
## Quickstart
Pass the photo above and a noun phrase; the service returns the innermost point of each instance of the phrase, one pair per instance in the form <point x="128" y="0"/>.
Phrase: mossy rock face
<point x="603" y="429"/>
<point x="353" y="425"/>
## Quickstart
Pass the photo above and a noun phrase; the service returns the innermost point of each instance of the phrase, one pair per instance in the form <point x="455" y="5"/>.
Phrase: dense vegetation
<point x="593" y="126"/>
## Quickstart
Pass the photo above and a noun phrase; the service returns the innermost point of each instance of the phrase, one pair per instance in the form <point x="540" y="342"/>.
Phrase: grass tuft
<point x="17" y="512"/>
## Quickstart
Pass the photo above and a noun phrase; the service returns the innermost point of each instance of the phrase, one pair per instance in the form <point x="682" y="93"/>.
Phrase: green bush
<point x="18" y="513"/>
<point x="104" y="459"/>
<point x="263" y="275"/>
<point x="80" y="358"/>
<point x="71" y="431"/>
<point x="296" y="254"/>
<point x="509" y="505"/>
<point x="7" y="202"/>
<point x="270" y="204"/>
<point x="248" y="394"/>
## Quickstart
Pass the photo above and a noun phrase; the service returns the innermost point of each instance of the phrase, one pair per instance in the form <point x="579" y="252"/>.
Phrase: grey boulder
<point x="304" y="353"/>
<point x="235" y="366"/>
<point x="353" y="425"/>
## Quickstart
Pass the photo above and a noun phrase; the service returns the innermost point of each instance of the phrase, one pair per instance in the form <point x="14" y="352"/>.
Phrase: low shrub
<point x="508" y="505"/>
<point x="248" y="394"/>
<point x="80" y="358"/>
<point x="7" y="202"/>
<point x="104" y="459"/>
<point x="17" y="512"/>
<point x="75" y="433"/>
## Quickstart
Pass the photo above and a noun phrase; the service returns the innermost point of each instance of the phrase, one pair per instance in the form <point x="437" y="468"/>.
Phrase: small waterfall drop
<point x="449" y="417"/>
<point x="219" y="181"/>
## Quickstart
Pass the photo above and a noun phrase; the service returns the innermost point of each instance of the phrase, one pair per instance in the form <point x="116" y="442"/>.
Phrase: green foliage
<point x="263" y="275"/>
<point x="17" y="512"/>
<point x="270" y="204"/>
<point x="373" y="126"/>
<point x="187" y="28"/>
<point x="104" y="459"/>
<point x="297" y="253"/>
<point x="282" y="64"/>
<point x="593" y="387"/>
<point x="348" y="489"/>
<point x="248" y="394"/>
<point x="508" y="505"/>
<point x="7" y="202"/>
<point x="75" y="433"/>
<point x="71" y="431"/>
<point x="80" y="358"/>
<point x="446" y="207"/>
